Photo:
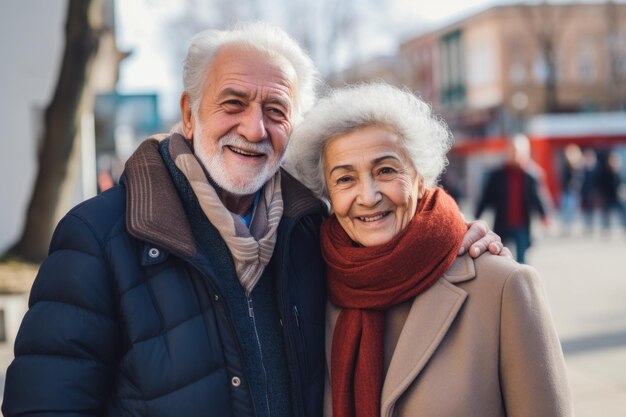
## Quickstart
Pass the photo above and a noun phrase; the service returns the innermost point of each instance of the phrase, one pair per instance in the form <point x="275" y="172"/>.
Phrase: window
<point x="587" y="71"/>
<point x="452" y="82"/>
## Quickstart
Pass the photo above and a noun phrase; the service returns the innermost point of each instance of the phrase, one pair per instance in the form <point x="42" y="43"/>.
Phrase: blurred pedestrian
<point x="609" y="184"/>
<point x="513" y="191"/>
<point x="571" y="185"/>
<point x="589" y="192"/>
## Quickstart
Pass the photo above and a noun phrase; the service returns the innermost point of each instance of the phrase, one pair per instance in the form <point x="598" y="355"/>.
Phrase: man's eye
<point x="276" y="112"/>
<point x="233" y="103"/>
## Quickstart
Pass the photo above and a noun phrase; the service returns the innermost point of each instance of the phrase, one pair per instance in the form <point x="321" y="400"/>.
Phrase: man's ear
<point x="187" y="115"/>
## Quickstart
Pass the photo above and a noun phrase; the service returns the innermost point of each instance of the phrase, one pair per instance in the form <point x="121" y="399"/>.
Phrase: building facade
<point x="490" y="72"/>
<point x="496" y="72"/>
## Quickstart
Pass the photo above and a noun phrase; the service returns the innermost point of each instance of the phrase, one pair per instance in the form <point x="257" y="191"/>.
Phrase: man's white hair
<point x="260" y="36"/>
<point x="425" y="137"/>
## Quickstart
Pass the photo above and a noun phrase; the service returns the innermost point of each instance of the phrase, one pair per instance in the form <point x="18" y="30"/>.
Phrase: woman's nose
<point x="369" y="195"/>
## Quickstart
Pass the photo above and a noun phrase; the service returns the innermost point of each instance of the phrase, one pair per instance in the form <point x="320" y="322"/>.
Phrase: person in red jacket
<point x="514" y="192"/>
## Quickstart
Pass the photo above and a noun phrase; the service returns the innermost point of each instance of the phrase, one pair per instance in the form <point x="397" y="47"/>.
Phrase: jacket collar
<point x="154" y="212"/>
<point x="430" y="318"/>
<point x="297" y="199"/>
<point x="462" y="269"/>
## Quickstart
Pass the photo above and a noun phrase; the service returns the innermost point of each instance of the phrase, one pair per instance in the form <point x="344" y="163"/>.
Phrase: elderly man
<point x="196" y="287"/>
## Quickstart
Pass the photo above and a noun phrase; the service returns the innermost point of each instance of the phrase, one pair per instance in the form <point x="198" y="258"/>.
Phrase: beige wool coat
<point x="479" y="343"/>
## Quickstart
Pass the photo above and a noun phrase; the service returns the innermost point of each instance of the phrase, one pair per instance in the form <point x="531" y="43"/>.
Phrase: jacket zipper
<point x="296" y="315"/>
<point x="258" y="343"/>
<point x="210" y="288"/>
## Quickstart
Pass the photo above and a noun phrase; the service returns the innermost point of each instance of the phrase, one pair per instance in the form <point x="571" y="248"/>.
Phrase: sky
<point x="435" y="11"/>
<point x="140" y="28"/>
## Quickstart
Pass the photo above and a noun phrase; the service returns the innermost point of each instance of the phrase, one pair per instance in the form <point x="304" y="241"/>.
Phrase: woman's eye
<point x="344" y="180"/>
<point x="386" y="171"/>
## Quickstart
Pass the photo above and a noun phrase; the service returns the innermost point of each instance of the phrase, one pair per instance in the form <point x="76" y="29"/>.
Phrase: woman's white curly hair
<point x="425" y="137"/>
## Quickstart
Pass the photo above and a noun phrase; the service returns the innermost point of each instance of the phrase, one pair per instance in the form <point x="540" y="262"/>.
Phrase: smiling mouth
<point x="240" y="151"/>
<point x="374" y="218"/>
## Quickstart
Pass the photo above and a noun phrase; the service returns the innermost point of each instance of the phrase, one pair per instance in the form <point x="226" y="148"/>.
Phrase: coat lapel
<point x="431" y="315"/>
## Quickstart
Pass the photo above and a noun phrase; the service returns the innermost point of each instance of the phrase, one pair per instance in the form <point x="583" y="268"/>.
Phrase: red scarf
<point x="365" y="282"/>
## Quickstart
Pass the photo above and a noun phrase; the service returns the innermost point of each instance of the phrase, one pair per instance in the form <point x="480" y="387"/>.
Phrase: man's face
<point x="242" y="125"/>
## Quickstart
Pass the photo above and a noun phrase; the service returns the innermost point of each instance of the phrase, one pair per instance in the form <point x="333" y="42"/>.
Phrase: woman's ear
<point x="422" y="187"/>
<point x="419" y="184"/>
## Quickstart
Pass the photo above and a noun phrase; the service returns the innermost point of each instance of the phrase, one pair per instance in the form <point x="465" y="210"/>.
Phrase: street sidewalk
<point x="585" y="277"/>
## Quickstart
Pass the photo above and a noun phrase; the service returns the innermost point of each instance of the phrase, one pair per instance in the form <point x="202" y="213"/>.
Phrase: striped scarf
<point x="252" y="248"/>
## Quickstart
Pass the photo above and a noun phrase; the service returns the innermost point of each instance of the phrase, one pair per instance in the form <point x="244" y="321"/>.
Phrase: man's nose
<point x="251" y="126"/>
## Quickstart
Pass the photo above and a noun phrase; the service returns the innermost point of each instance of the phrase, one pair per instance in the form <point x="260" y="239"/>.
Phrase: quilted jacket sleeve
<point x="532" y="367"/>
<point x="67" y="345"/>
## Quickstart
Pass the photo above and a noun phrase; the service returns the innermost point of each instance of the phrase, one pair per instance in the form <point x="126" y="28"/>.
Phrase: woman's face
<point x="373" y="188"/>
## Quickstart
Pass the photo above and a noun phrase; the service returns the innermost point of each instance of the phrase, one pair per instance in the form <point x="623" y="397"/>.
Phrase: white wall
<point x="31" y="44"/>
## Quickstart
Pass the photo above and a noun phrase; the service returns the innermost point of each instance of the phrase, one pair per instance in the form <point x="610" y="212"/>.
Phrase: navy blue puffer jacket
<point x="121" y="322"/>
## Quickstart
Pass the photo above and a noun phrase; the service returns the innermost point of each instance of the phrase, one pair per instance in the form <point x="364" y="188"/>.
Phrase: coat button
<point x="235" y="381"/>
<point x="154" y="253"/>
<point x="216" y="297"/>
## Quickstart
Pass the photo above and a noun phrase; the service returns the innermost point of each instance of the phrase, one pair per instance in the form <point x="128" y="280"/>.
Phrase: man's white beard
<point x="245" y="183"/>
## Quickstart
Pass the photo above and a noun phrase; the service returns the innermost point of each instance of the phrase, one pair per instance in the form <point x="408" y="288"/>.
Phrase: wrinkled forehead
<point x="377" y="138"/>
<point x="360" y="129"/>
<point x="254" y="68"/>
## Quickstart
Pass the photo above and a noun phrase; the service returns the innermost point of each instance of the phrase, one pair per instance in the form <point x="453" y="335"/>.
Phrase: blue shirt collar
<point x="248" y="217"/>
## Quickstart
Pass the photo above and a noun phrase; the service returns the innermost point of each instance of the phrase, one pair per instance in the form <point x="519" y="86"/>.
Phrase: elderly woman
<point x="412" y="328"/>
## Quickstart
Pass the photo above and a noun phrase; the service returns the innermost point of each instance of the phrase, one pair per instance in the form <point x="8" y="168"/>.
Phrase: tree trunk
<point x="62" y="116"/>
